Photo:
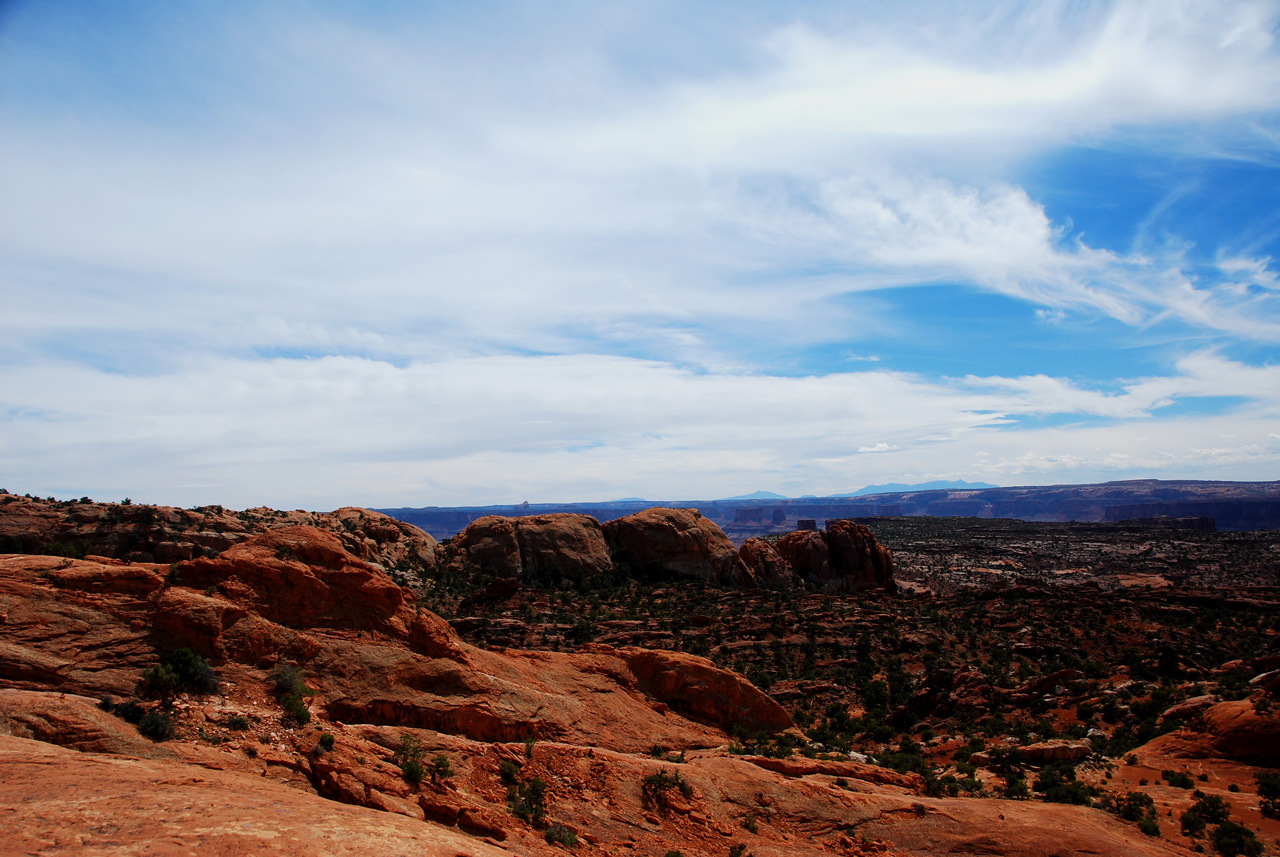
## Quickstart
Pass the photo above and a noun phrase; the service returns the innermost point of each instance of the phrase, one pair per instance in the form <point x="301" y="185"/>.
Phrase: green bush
<point x="528" y="800"/>
<point x="1269" y="793"/>
<point x="156" y="725"/>
<point x="558" y="834"/>
<point x="1057" y="782"/>
<point x="655" y="787"/>
<point x="1135" y="806"/>
<point x="411" y="770"/>
<point x="1192" y="824"/>
<point x="296" y="708"/>
<point x="194" y="673"/>
<point x="1178" y="779"/>
<point x="1212" y="808"/>
<point x="237" y="723"/>
<point x="326" y="741"/>
<point x="1230" y="839"/>
<point x="440" y="768"/>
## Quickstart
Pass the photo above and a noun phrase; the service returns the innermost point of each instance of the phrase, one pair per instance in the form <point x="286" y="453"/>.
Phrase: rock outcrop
<point x="678" y="542"/>
<point x="164" y="534"/>
<point x="844" y="558"/>
<point x="766" y="566"/>
<point x="546" y="547"/>
<point x="1232" y="730"/>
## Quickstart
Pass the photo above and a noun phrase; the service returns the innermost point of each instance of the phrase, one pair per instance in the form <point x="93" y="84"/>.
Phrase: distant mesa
<point x="1226" y="506"/>
<point x="899" y="487"/>
<point x="758" y="495"/>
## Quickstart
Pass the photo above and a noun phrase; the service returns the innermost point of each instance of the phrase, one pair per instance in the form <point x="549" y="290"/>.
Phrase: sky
<point x="310" y="254"/>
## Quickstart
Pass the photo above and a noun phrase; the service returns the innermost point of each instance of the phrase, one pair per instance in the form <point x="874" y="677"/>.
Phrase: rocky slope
<point x="331" y="678"/>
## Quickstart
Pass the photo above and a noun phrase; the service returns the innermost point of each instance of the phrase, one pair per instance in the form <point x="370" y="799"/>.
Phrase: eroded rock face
<point x="164" y="534"/>
<point x="539" y="546"/>
<point x="294" y="594"/>
<point x="806" y="551"/>
<point x="693" y="686"/>
<point x="844" y="558"/>
<point x="858" y="561"/>
<point x="766" y="565"/>
<point x="674" y="541"/>
<point x="1232" y="730"/>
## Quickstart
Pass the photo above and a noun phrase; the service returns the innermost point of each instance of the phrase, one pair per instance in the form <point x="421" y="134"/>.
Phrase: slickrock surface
<point x="57" y="801"/>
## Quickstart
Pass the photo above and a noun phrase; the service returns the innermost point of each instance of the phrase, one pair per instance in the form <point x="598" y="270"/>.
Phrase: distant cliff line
<point x="1231" y="505"/>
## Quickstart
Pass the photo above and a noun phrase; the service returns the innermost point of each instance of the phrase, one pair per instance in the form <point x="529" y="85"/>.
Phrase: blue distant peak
<point x="757" y="495"/>
<point x="897" y="487"/>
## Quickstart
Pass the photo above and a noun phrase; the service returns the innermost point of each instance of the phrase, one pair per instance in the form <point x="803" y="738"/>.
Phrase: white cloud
<point x="324" y="432"/>
<point x="421" y="220"/>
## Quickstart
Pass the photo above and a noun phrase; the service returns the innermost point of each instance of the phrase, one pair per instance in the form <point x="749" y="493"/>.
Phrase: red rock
<point x="766" y="565"/>
<point x="674" y="541"/>
<point x="1232" y="730"/>
<point x="1187" y="709"/>
<point x="807" y="553"/>
<point x="490" y="545"/>
<point x="573" y="545"/>
<point x="845" y="558"/>
<point x="61" y="801"/>
<point x="801" y="767"/>
<point x="858" y="561"/>
<point x="694" y="686"/>
<point x="1045" y="752"/>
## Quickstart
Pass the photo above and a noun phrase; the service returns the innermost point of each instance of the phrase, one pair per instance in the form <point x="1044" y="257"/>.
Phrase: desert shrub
<point x="130" y="711"/>
<point x="409" y="757"/>
<point x="440" y="768"/>
<point x="159" y="682"/>
<point x="1230" y="839"/>
<point x="1057" y="782"/>
<point x="1149" y="826"/>
<point x="1269" y="793"/>
<point x="529" y="743"/>
<point x="750" y="824"/>
<point x="737" y="850"/>
<point x="508" y="772"/>
<point x="156" y="725"/>
<point x="558" y="834"/>
<point x="655" y="787"/>
<point x="1212" y="808"/>
<point x="326" y="741"/>
<point x="411" y="770"/>
<point x="290" y="688"/>
<point x="1135" y="806"/>
<point x="1178" y="779"/>
<point x="296" y="708"/>
<point x="1192" y="824"/>
<point x="193" y="672"/>
<point x="237" y="723"/>
<point x="527" y="800"/>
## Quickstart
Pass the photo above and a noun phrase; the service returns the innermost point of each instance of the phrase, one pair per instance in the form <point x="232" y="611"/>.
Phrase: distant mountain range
<point x="1231" y="505"/>
<point x="940" y="485"/>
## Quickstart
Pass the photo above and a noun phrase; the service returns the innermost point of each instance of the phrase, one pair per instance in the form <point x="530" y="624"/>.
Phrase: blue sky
<point x="314" y="254"/>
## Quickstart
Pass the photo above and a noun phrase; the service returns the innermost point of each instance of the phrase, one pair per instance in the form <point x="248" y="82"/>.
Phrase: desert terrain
<point x="211" y="681"/>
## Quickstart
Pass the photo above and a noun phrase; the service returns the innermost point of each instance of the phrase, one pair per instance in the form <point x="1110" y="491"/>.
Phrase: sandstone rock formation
<point x="165" y="534"/>
<point x="674" y="541"/>
<point x="845" y="558"/>
<point x="1232" y="730"/>
<point x="766" y="565"/>
<point x="540" y="546"/>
